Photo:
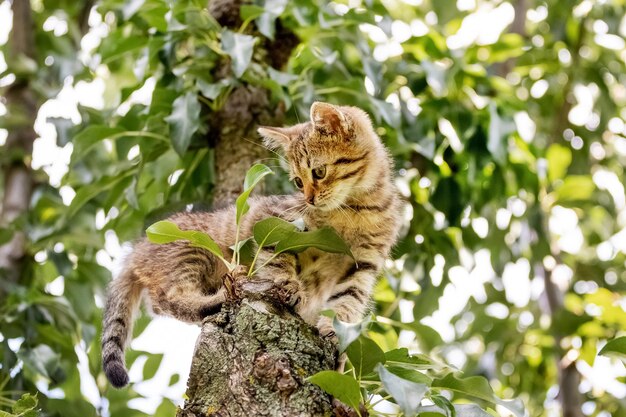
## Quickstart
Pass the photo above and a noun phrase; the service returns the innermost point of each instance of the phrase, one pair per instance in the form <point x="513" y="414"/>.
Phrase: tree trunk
<point x="253" y="358"/>
<point x="18" y="178"/>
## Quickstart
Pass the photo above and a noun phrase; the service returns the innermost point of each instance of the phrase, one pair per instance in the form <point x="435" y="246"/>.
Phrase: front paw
<point x="233" y="281"/>
<point x="327" y="331"/>
<point x="290" y="292"/>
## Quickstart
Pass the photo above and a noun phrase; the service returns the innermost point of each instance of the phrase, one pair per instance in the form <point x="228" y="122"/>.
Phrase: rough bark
<point x="18" y="178"/>
<point x="253" y="357"/>
<point x="252" y="360"/>
<point x="233" y="127"/>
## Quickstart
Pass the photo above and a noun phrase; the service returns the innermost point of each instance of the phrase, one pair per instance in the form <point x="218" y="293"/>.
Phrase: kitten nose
<point x="310" y="199"/>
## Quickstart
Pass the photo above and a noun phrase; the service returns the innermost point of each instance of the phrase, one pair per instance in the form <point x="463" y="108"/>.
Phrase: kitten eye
<point x="298" y="182"/>
<point x="319" y="173"/>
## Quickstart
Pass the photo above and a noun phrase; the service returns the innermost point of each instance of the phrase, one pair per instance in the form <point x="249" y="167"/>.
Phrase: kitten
<point x="344" y="174"/>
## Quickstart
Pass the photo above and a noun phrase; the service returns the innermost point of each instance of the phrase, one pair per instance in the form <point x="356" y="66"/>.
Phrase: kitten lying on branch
<point x="345" y="178"/>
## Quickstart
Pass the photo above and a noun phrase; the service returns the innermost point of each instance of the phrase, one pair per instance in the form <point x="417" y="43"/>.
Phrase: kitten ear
<point x="329" y="118"/>
<point x="275" y="137"/>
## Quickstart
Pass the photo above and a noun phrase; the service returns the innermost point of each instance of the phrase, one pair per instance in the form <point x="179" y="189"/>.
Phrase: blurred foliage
<point x="509" y="142"/>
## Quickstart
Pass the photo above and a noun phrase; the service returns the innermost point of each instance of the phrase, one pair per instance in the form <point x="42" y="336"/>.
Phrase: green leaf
<point x="342" y="387"/>
<point x="5" y="235"/>
<point x="41" y="360"/>
<point x="90" y="191"/>
<point x="559" y="158"/>
<point x="166" y="232"/>
<point x="615" y="347"/>
<point x="86" y="139"/>
<point x="253" y="176"/>
<point x="270" y="231"/>
<point x="364" y="354"/>
<point x="63" y="127"/>
<point x="239" y="47"/>
<point x="409" y="374"/>
<point x="174" y="379"/>
<point x="447" y="199"/>
<point x="325" y="239"/>
<point x="427" y="335"/>
<point x="347" y="332"/>
<point x="151" y="366"/>
<point x="575" y="188"/>
<point x="184" y="121"/>
<point x="461" y="410"/>
<point x="246" y="249"/>
<point x="212" y="91"/>
<point x="408" y="394"/>
<point x="499" y="129"/>
<point x="402" y="355"/>
<point x="444" y="404"/>
<point x="266" y="21"/>
<point x="477" y="387"/>
<point x="166" y="409"/>
<point x="250" y="11"/>
<point x="26" y="403"/>
<point x="282" y="78"/>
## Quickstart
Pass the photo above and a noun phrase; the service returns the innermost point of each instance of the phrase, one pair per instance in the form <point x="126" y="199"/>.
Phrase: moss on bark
<point x="252" y="359"/>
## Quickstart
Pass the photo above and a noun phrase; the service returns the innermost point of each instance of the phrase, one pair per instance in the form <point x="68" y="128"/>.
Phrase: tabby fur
<point x="355" y="195"/>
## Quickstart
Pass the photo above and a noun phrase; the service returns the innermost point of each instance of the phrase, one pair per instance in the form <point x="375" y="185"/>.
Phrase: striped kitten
<point x="345" y="178"/>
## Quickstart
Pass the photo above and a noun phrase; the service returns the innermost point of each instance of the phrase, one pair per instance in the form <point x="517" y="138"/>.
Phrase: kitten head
<point x="333" y="157"/>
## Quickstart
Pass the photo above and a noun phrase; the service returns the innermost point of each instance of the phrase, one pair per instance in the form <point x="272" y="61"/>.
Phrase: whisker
<point x="279" y="156"/>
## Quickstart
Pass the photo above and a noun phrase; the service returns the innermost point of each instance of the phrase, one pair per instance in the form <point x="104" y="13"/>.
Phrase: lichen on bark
<point x="252" y="359"/>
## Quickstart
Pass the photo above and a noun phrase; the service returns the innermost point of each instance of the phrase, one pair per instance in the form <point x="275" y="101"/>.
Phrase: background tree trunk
<point x="18" y="178"/>
<point x="252" y="359"/>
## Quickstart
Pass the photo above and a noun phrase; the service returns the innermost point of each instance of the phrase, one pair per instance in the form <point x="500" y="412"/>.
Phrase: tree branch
<point x="252" y="359"/>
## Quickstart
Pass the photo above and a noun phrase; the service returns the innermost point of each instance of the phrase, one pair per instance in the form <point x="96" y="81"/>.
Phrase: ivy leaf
<point x="166" y="232"/>
<point x="87" y="138"/>
<point x="266" y="21"/>
<point x="408" y="394"/>
<point x="447" y="199"/>
<point x="88" y="192"/>
<point x="364" y="354"/>
<point x="239" y="47"/>
<point x="615" y="347"/>
<point x="343" y="387"/>
<point x="212" y="91"/>
<point x="253" y="176"/>
<point x="184" y="121"/>
<point x="41" y="359"/>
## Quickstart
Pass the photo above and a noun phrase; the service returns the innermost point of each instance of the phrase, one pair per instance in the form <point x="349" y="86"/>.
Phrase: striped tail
<point x="117" y="324"/>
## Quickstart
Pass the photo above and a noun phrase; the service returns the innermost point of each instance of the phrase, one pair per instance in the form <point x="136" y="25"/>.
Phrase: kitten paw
<point x="233" y="281"/>
<point x="327" y="331"/>
<point x="290" y="292"/>
<point x="342" y="410"/>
